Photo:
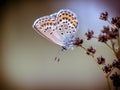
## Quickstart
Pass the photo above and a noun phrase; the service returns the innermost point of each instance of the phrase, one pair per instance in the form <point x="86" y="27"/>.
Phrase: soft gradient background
<point x="27" y="59"/>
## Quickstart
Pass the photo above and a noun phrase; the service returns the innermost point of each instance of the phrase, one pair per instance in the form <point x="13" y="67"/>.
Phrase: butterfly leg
<point x="57" y="58"/>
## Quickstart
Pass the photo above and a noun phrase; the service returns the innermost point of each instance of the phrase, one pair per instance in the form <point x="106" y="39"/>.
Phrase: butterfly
<point x="60" y="28"/>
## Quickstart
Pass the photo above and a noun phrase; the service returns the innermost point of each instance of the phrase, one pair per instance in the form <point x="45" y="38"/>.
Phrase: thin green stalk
<point x="108" y="82"/>
<point x="107" y="79"/>
<point x="111" y="71"/>
<point x="109" y="46"/>
<point x="97" y="64"/>
<point x="83" y="47"/>
<point x="111" y="24"/>
<point x="86" y="50"/>
<point x="99" y="68"/>
<point x="113" y="48"/>
<point x="93" y="58"/>
<point x="118" y="39"/>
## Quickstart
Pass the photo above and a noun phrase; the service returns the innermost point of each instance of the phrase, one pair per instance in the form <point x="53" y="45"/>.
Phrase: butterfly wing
<point x="46" y="27"/>
<point x="59" y="28"/>
<point x="67" y="22"/>
<point x="67" y="26"/>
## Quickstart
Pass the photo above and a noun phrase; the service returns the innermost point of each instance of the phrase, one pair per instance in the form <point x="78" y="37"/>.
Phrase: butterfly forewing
<point x="46" y="27"/>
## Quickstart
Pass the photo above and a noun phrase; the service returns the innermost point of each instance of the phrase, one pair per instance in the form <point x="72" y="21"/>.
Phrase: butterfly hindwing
<point x="67" y="27"/>
<point x="67" y="22"/>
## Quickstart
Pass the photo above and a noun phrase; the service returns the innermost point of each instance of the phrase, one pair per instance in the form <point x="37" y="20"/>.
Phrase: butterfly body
<point x="60" y="27"/>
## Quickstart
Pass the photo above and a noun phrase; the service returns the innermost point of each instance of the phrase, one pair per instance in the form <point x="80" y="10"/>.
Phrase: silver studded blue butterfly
<point x="60" y="28"/>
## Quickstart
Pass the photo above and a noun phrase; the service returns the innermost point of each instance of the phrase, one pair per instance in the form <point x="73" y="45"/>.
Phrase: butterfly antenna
<point x="58" y="55"/>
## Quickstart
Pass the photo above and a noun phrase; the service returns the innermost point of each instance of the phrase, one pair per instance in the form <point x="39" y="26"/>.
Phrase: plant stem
<point x="93" y="58"/>
<point x="118" y="38"/>
<point x="107" y="79"/>
<point x="109" y="46"/>
<point x="108" y="83"/>
<point x="111" y="24"/>
<point x="83" y="47"/>
<point x="113" y="47"/>
<point x="91" y="54"/>
<point x="111" y="71"/>
<point x="99" y="67"/>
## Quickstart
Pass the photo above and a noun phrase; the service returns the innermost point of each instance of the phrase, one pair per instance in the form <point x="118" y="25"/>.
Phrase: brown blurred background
<point x="27" y="59"/>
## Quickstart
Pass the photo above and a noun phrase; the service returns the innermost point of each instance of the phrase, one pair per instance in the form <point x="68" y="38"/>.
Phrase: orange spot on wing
<point x="52" y="22"/>
<point x="69" y="17"/>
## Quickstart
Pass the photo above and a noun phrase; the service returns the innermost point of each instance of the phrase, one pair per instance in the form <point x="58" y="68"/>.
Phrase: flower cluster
<point x="102" y="38"/>
<point x="91" y="51"/>
<point x="100" y="60"/>
<point x="116" y="79"/>
<point x="89" y="34"/>
<point x="116" y="22"/>
<point x="104" y="16"/>
<point x="78" y="42"/>
<point x="107" y="68"/>
<point x="110" y="34"/>
<point x="105" y="35"/>
<point x="116" y="63"/>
